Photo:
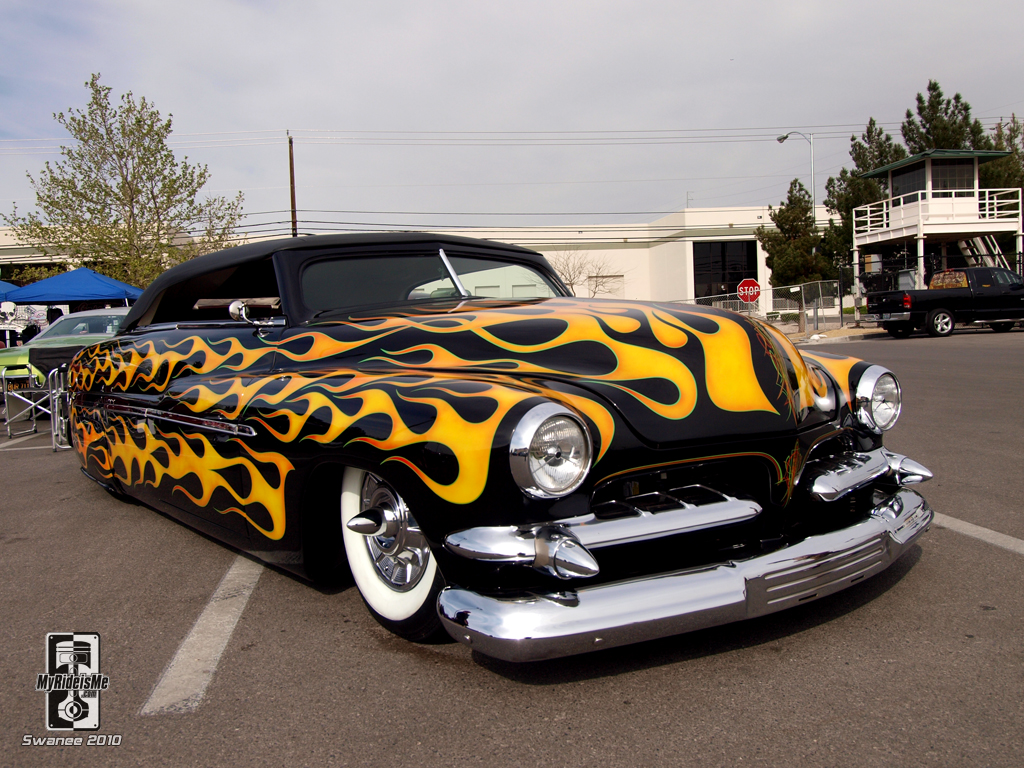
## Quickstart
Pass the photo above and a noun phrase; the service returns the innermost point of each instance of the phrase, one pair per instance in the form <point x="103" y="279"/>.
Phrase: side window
<point x="207" y="296"/>
<point x="949" y="279"/>
<point x="982" y="278"/>
<point x="1006" y="278"/>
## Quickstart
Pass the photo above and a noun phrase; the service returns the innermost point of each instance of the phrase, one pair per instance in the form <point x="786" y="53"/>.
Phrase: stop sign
<point x="749" y="290"/>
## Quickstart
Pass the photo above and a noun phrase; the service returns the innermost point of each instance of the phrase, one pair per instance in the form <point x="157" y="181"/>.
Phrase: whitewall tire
<point x="396" y="575"/>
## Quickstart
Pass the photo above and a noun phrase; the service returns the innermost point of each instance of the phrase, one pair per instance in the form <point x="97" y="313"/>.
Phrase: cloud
<point x="232" y="66"/>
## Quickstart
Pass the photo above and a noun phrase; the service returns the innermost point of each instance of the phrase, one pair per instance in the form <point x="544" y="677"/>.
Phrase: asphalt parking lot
<point x="921" y="665"/>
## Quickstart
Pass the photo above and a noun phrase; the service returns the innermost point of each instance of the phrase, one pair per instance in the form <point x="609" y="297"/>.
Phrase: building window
<point x="718" y="267"/>
<point x="908" y="180"/>
<point x="951" y="175"/>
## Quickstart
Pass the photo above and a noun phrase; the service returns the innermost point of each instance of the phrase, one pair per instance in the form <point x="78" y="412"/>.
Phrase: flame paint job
<point x="138" y="454"/>
<point x="447" y="378"/>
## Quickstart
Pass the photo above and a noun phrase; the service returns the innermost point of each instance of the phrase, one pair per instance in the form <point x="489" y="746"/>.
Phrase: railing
<point x="782" y="306"/>
<point x="938" y="207"/>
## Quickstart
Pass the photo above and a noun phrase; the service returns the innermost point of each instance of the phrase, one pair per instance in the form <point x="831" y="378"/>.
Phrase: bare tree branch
<point x="581" y="270"/>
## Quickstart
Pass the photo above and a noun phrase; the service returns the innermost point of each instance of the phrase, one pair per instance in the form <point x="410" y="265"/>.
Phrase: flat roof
<point x="983" y="155"/>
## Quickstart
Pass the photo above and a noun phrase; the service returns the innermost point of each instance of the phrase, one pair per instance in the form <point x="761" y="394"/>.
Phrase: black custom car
<point x="536" y="474"/>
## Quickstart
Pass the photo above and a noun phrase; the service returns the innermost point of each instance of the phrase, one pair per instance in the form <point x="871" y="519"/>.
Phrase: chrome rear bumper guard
<point x="547" y="626"/>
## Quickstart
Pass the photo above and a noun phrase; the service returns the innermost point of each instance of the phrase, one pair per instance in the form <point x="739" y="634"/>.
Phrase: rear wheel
<point x="940" y="322"/>
<point x="1002" y="327"/>
<point x="395" y="572"/>
<point x="899" y="330"/>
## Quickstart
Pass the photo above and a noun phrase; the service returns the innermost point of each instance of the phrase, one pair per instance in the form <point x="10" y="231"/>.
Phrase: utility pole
<point x="291" y="175"/>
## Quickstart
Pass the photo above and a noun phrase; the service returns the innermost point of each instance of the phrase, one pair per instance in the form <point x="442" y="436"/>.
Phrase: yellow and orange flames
<point x="808" y="379"/>
<point x="840" y="369"/>
<point x="341" y="399"/>
<point x="730" y="379"/>
<point x="175" y="456"/>
<point x="320" y="408"/>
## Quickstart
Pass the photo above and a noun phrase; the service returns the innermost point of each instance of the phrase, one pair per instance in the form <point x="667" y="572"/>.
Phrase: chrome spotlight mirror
<point x="239" y="311"/>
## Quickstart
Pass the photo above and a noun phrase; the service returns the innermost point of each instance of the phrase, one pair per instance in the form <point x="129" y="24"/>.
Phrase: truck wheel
<point x="940" y="322"/>
<point x="395" y="572"/>
<point x="899" y="330"/>
<point x="1002" y="327"/>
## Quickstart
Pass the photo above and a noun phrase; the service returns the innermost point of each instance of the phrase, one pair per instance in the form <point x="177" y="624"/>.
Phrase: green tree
<point x="793" y="245"/>
<point x="119" y="202"/>
<point x="874" y="149"/>
<point x="1009" y="171"/>
<point x="943" y="123"/>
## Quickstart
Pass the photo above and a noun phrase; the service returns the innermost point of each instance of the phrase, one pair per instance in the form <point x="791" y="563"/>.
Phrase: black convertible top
<point x="256" y="252"/>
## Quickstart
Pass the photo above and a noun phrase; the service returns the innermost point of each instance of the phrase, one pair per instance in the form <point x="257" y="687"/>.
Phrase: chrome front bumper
<point x="546" y="626"/>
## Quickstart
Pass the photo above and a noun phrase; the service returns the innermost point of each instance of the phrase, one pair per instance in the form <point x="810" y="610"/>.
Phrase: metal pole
<point x="809" y="138"/>
<point x="840" y="292"/>
<point x="814" y="196"/>
<point x="291" y="175"/>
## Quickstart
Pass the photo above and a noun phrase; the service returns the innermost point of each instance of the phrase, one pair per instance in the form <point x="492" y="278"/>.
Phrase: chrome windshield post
<point x="451" y="272"/>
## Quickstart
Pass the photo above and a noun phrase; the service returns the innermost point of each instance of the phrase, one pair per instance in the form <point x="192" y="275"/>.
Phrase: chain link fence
<point x="804" y="308"/>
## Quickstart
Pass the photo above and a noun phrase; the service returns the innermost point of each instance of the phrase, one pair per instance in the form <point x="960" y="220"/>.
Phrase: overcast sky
<point x="426" y="111"/>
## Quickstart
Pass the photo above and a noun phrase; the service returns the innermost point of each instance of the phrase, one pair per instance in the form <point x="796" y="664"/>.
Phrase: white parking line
<point x="183" y="683"/>
<point x="983" y="534"/>
<point x="7" y="445"/>
<point x="28" y="448"/>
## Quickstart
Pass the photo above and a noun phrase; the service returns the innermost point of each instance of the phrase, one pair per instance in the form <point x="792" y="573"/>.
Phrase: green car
<point x="76" y="330"/>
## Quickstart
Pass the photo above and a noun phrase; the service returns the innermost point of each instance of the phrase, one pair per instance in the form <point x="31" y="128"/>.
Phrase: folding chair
<point x="26" y="398"/>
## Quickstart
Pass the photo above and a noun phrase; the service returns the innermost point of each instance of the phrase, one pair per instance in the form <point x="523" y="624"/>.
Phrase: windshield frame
<point x="302" y="312"/>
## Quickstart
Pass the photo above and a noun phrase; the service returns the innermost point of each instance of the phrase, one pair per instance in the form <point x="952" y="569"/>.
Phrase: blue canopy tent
<point x="4" y="288"/>
<point x="77" y="285"/>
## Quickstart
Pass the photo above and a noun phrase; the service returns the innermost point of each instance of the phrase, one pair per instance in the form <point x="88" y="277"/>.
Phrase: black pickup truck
<point x="987" y="295"/>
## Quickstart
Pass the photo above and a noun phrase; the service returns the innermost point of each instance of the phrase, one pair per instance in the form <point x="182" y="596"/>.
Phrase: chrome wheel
<point x="389" y="557"/>
<point x="940" y="322"/>
<point x="399" y="553"/>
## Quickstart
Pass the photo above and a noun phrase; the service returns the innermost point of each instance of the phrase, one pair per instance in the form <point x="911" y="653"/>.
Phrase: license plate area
<point x="18" y="383"/>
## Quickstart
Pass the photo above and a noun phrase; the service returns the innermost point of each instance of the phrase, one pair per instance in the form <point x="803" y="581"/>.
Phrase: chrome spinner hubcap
<point x="400" y="555"/>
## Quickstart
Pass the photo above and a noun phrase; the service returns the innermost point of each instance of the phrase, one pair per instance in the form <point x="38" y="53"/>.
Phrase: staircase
<point x="983" y="252"/>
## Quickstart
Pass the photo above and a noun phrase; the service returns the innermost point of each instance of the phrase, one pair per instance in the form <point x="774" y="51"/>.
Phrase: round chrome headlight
<point x="550" y="451"/>
<point x="879" y="399"/>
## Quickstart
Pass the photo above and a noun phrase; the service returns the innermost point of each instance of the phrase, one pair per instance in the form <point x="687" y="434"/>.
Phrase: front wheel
<point x="394" y="571"/>
<point x="940" y="322"/>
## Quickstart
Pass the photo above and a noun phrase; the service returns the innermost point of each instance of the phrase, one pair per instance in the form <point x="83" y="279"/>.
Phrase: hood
<point x="674" y="372"/>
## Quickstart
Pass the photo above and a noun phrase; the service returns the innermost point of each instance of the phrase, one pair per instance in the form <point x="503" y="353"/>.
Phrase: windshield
<point x="345" y="283"/>
<point x="72" y="325"/>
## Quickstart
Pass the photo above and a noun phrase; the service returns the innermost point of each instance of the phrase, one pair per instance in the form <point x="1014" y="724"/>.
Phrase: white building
<point x="937" y="206"/>
<point x="690" y="254"/>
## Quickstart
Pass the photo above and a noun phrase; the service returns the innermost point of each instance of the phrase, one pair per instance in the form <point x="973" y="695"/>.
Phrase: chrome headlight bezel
<point x="522" y="440"/>
<point x="865" y="395"/>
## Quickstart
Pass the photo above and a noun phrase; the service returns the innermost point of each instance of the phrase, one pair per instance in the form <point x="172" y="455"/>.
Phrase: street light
<point x="809" y="138"/>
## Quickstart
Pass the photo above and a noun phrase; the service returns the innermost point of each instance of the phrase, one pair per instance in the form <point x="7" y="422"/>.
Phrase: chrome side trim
<point x="834" y="477"/>
<point x="212" y="425"/>
<point x="551" y="625"/>
<point x="278" y="321"/>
